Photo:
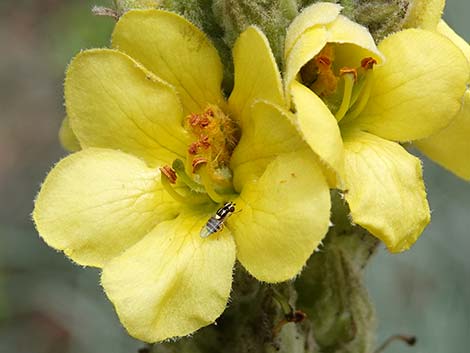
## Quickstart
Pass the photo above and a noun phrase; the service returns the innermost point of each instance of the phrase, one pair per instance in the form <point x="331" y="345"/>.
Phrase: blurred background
<point x="49" y="305"/>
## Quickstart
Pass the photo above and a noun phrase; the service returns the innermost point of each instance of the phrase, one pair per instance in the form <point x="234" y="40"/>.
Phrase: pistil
<point x="208" y="184"/>
<point x="167" y="179"/>
<point x="180" y="169"/>
<point x="363" y="98"/>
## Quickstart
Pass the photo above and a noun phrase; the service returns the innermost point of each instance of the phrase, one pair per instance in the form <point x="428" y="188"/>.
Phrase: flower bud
<point x="272" y="17"/>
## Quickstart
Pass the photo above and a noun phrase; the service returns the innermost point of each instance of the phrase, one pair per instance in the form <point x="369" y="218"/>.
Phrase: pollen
<point x="348" y="70"/>
<point x="203" y="143"/>
<point x="197" y="162"/>
<point x="368" y="63"/>
<point x="215" y="137"/>
<point x="170" y="173"/>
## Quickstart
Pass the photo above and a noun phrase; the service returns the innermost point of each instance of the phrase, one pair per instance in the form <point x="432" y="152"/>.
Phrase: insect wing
<point x="205" y="232"/>
<point x="212" y="226"/>
<point x="215" y="223"/>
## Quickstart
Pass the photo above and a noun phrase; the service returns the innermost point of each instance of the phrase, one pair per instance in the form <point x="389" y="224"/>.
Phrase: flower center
<point x="205" y="174"/>
<point x="345" y="90"/>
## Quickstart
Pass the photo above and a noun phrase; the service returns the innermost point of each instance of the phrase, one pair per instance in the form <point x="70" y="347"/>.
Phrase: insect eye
<point x="232" y="209"/>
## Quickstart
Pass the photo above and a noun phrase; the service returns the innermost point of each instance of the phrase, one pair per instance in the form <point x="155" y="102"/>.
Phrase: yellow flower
<point x="344" y="92"/>
<point x="451" y="146"/>
<point x="152" y="103"/>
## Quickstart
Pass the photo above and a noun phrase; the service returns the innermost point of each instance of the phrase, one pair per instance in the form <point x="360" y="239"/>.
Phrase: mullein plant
<point x="249" y="219"/>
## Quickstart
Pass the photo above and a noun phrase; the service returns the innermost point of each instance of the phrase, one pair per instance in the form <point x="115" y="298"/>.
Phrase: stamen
<point x="192" y="199"/>
<point x="348" y="70"/>
<point x="179" y="168"/>
<point x="192" y="150"/>
<point x="207" y="182"/>
<point x="198" y="120"/>
<point x="169" y="173"/>
<point x="203" y="143"/>
<point x="357" y="89"/>
<point x="326" y="83"/>
<point x="324" y="61"/>
<point x="362" y="90"/>
<point x="197" y="162"/>
<point x="368" y="63"/>
<point x="363" y="98"/>
<point x="349" y="77"/>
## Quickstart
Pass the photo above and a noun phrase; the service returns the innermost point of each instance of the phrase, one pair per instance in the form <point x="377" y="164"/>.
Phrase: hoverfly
<point x="216" y="222"/>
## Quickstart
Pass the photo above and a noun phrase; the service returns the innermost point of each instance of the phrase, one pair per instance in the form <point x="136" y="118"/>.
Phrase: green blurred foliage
<point x="48" y="304"/>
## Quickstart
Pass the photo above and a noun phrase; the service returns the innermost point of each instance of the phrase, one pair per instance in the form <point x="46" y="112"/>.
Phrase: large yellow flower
<point x="153" y="102"/>
<point x="343" y="91"/>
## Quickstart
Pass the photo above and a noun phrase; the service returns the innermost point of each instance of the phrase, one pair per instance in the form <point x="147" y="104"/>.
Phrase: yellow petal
<point x="112" y="102"/>
<point x="355" y="43"/>
<point x="67" y="137"/>
<point x="96" y="203"/>
<point x="419" y="89"/>
<point x="424" y="14"/>
<point x="268" y="133"/>
<point x="385" y="189"/>
<point x="315" y="15"/>
<point x="176" y="51"/>
<point x="281" y="218"/>
<point x="256" y="76"/>
<point x="319" y="127"/>
<point x="172" y="282"/>
<point x="445" y="30"/>
<point x="451" y="147"/>
<point x="309" y="44"/>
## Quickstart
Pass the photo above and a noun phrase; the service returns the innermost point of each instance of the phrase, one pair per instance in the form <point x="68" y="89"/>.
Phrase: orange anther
<point x="323" y="60"/>
<point x="193" y="119"/>
<point x="198" y="162"/>
<point x="204" y="142"/>
<point x="348" y="70"/>
<point x="170" y="173"/>
<point x="204" y="121"/>
<point x="209" y="112"/>
<point x="193" y="148"/>
<point x="368" y="63"/>
<point x="199" y="120"/>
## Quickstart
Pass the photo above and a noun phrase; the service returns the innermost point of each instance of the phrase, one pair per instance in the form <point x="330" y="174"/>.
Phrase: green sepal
<point x="271" y="16"/>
